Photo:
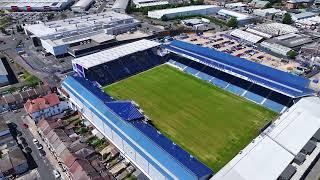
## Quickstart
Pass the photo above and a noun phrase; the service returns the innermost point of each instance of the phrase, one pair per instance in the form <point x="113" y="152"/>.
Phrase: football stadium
<point x="178" y="110"/>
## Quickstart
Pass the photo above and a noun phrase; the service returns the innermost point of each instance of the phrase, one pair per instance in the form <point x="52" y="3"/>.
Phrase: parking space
<point x="223" y="42"/>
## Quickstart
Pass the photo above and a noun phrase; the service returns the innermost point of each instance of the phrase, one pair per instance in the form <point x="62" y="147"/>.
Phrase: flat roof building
<point x="303" y="15"/>
<point x="241" y="17"/>
<point x="267" y="12"/>
<point x="148" y="3"/>
<point x="120" y="6"/>
<point x="246" y="36"/>
<point x="268" y="156"/>
<point x="58" y="37"/>
<point x="269" y="30"/>
<point x="184" y="11"/>
<point x="35" y="5"/>
<point x="82" y="5"/>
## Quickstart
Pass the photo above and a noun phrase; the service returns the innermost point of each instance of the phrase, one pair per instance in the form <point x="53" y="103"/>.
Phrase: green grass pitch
<point x="210" y="123"/>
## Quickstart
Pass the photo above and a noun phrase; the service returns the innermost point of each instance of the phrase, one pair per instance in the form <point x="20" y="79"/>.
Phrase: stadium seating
<point x="273" y="105"/>
<point x="124" y="67"/>
<point x="191" y="71"/>
<point x="253" y="92"/>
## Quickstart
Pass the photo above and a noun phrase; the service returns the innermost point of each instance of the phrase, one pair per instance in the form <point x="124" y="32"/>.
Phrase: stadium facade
<point x="66" y="36"/>
<point x="160" y="158"/>
<point x="117" y="63"/>
<point x="124" y="125"/>
<point x="35" y="5"/>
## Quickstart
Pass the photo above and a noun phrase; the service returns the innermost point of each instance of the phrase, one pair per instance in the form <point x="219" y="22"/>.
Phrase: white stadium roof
<point x="272" y="151"/>
<point x="246" y="36"/>
<point x="114" y="53"/>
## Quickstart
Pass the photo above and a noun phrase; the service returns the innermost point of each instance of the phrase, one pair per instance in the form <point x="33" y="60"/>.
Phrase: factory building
<point x="241" y="17"/>
<point x="120" y="6"/>
<point x="148" y="3"/>
<point x="184" y="11"/>
<point x="82" y="5"/>
<point x="80" y="33"/>
<point x="35" y="5"/>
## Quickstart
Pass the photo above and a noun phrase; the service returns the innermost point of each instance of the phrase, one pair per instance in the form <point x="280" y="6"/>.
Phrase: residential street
<point x="41" y="163"/>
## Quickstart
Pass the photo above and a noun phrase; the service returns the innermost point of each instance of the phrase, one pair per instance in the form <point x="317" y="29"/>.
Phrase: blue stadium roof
<point x="125" y="109"/>
<point x="280" y="81"/>
<point x="146" y="137"/>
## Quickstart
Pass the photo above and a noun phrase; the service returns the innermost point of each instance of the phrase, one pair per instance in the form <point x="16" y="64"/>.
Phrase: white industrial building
<point x="35" y="5"/>
<point x="246" y="36"/>
<point x="284" y="150"/>
<point x="82" y="5"/>
<point x="308" y="23"/>
<point x="148" y="3"/>
<point x="57" y="37"/>
<point x="120" y="6"/>
<point x="304" y="15"/>
<point x="241" y="17"/>
<point x="184" y="11"/>
<point x="272" y="29"/>
<point x="276" y="48"/>
<point x="268" y="12"/>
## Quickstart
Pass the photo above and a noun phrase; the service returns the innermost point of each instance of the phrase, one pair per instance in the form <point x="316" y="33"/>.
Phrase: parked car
<point x="35" y="141"/>
<point x="25" y="125"/>
<point x="56" y="174"/>
<point x="42" y="152"/>
<point x="39" y="146"/>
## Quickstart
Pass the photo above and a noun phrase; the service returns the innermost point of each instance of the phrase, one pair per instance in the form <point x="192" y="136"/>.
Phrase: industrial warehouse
<point x="184" y="11"/>
<point x="35" y="5"/>
<point x="80" y="34"/>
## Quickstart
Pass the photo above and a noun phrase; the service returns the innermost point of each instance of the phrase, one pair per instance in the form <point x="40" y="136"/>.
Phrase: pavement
<point x="49" y="155"/>
<point x="314" y="174"/>
<point x="42" y="164"/>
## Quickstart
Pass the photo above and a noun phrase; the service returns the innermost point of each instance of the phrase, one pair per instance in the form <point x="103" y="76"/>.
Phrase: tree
<point x="164" y="18"/>
<point x="287" y="19"/>
<point x="232" y="22"/>
<point x="292" y="54"/>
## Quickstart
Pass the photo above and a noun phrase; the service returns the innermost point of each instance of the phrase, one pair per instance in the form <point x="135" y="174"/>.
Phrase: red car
<point x="25" y="125"/>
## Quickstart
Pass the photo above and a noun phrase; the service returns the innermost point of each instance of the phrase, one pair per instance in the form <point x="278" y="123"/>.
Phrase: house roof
<point x="82" y="170"/>
<point x="5" y="164"/>
<point x="17" y="158"/>
<point x="85" y="152"/>
<point x="68" y="158"/>
<point x="42" y="103"/>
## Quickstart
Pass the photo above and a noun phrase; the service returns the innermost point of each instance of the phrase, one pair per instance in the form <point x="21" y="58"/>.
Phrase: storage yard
<point x="213" y="125"/>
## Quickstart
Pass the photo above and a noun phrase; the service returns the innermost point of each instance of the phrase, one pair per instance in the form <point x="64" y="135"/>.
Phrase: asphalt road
<point x="41" y="163"/>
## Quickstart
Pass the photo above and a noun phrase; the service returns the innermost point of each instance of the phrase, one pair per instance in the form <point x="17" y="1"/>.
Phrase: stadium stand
<point x="123" y="124"/>
<point x="285" y="83"/>
<point x="267" y="96"/>
<point x="263" y="85"/>
<point x="123" y="67"/>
